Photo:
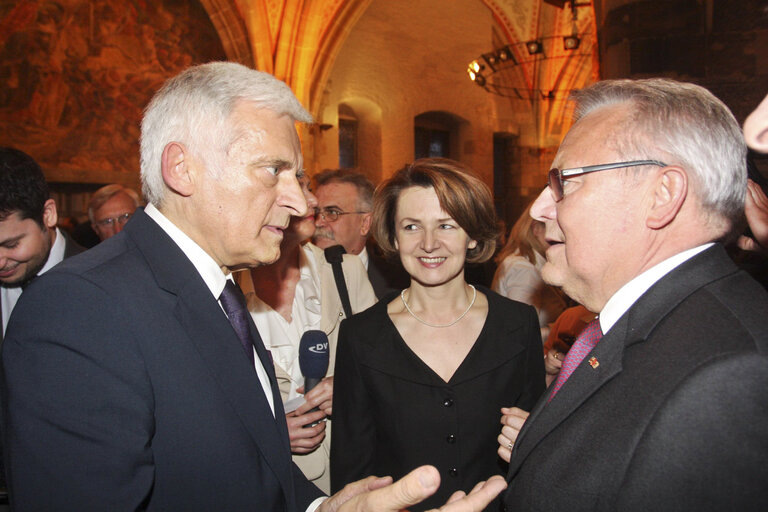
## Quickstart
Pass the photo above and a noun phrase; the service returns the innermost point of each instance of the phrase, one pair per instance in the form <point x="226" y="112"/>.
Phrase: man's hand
<point x="305" y="440"/>
<point x="321" y="397"/>
<point x="512" y="420"/>
<point x="380" y="495"/>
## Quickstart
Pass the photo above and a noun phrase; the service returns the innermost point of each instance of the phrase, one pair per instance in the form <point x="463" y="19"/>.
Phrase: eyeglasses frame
<point x="111" y="221"/>
<point x="558" y="176"/>
<point x="323" y="212"/>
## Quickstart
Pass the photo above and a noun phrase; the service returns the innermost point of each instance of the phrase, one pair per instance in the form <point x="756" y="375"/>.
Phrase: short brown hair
<point x="358" y="179"/>
<point x="461" y="194"/>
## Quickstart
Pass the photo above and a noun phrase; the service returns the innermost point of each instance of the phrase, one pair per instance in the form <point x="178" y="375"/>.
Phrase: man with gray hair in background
<point x="110" y="208"/>
<point x="344" y="215"/>
<point x="145" y="384"/>
<point x="660" y="404"/>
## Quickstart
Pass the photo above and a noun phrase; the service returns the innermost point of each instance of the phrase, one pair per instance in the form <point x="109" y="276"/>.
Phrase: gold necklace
<point x="472" y="303"/>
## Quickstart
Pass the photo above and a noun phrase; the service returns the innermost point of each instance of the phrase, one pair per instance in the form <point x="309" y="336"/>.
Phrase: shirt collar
<point x="364" y="257"/>
<point x="205" y="265"/>
<point x="628" y="294"/>
<point x="56" y="255"/>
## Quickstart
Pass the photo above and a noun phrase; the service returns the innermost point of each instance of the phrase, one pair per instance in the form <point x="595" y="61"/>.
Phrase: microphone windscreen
<point x="313" y="354"/>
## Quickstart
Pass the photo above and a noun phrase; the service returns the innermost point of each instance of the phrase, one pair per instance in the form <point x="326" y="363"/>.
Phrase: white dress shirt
<point x="628" y="294"/>
<point x="364" y="257"/>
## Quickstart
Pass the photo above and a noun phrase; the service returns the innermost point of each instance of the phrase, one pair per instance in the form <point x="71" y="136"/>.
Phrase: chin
<point x="551" y="274"/>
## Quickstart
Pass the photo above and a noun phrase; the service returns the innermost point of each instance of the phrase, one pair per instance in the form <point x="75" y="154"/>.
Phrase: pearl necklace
<point x="472" y="303"/>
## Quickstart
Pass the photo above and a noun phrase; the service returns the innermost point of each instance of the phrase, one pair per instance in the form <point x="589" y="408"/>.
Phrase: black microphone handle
<point x="309" y="384"/>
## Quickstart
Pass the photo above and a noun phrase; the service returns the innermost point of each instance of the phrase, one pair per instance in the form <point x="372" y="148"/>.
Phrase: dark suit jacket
<point x="674" y="417"/>
<point x="134" y="392"/>
<point x="391" y="412"/>
<point x="71" y="248"/>
<point x="385" y="276"/>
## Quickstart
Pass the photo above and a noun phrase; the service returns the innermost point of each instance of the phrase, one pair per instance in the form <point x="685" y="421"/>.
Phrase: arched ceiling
<point x="298" y="40"/>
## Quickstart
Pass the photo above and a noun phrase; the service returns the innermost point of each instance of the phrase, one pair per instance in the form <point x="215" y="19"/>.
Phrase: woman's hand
<point x="553" y="361"/>
<point x="512" y="420"/>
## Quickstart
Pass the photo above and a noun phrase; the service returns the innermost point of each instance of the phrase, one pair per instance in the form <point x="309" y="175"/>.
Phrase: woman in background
<point x="518" y="276"/>
<point x="421" y="375"/>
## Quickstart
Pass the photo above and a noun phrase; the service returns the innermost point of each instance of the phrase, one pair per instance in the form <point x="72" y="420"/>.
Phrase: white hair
<point x="680" y="124"/>
<point x="107" y="192"/>
<point x="193" y="109"/>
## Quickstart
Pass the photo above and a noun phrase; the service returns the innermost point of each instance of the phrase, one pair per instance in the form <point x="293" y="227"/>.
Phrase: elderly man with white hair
<point x="146" y="385"/>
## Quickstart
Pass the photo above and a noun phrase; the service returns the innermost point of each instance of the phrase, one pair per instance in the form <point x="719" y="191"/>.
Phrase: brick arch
<point x="230" y="25"/>
<point x="335" y="35"/>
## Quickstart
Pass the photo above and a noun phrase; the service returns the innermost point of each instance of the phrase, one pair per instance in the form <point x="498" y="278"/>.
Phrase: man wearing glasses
<point x="665" y="406"/>
<point x="344" y="213"/>
<point x="110" y="208"/>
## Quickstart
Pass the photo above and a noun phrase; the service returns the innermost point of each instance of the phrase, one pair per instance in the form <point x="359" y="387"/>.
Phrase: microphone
<point x="313" y="359"/>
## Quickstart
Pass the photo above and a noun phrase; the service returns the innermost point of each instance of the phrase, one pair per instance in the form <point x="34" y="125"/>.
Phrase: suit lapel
<point x="581" y="385"/>
<point x="330" y="303"/>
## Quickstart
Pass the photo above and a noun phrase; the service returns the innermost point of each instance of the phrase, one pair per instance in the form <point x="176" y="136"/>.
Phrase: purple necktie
<point x="233" y="302"/>
<point x="581" y="347"/>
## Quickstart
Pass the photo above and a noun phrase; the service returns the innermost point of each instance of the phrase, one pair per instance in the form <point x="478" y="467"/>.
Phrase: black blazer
<point x="674" y="417"/>
<point x="391" y="412"/>
<point x="71" y="248"/>
<point x="134" y="391"/>
<point x="386" y="276"/>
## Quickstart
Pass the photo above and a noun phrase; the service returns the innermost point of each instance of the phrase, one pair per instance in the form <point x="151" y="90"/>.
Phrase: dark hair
<point x="23" y="187"/>
<point x="461" y="194"/>
<point x="359" y="180"/>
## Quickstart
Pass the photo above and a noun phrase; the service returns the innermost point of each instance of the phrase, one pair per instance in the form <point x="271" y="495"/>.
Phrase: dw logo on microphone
<point x="320" y="348"/>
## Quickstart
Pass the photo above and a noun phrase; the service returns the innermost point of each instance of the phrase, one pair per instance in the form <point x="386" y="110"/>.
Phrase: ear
<point x="177" y="170"/>
<point x="50" y="214"/>
<point x="756" y="128"/>
<point x="365" y="225"/>
<point x="669" y="194"/>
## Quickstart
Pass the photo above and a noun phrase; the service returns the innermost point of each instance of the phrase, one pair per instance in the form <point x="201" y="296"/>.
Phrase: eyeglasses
<point x="120" y="219"/>
<point x="558" y="176"/>
<point x="332" y="214"/>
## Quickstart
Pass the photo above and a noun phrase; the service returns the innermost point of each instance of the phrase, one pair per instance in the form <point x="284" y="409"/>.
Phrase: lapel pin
<point x="593" y="362"/>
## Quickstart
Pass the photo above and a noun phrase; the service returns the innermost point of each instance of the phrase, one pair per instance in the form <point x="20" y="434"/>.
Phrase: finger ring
<point x="510" y="445"/>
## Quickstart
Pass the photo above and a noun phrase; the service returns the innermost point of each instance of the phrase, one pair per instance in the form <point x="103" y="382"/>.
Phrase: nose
<point x="430" y="241"/>
<point x="544" y="207"/>
<point x="320" y="220"/>
<point x="311" y="199"/>
<point x="118" y="228"/>
<point x="291" y="196"/>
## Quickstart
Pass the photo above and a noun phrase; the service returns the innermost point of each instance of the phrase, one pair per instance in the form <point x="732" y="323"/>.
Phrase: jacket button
<point x="341" y="313"/>
<point x="453" y="472"/>
<point x="451" y="439"/>
<point x="448" y="402"/>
